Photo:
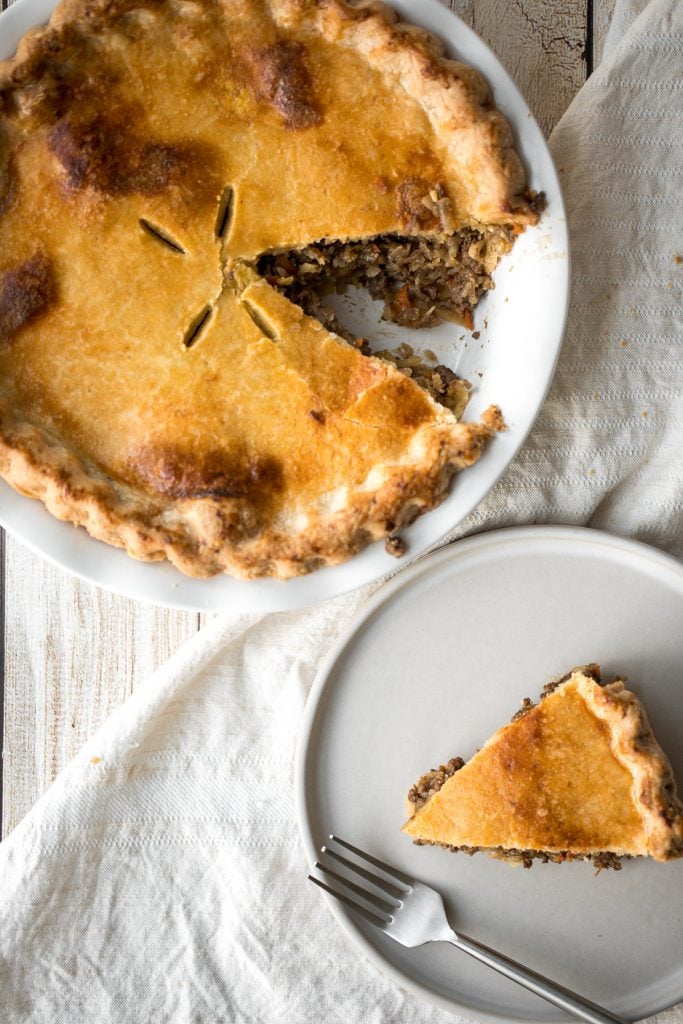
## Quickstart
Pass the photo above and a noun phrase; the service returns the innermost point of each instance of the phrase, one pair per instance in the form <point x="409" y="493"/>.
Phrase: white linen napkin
<point x="160" y="878"/>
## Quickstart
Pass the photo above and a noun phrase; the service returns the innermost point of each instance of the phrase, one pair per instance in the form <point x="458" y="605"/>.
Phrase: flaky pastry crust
<point x="110" y="412"/>
<point x="578" y="775"/>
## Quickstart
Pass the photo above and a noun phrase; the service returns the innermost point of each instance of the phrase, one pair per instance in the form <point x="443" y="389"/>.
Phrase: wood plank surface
<point x="540" y="42"/>
<point x="73" y="652"/>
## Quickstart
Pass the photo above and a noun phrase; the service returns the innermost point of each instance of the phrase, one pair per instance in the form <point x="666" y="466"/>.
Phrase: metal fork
<point x="413" y="913"/>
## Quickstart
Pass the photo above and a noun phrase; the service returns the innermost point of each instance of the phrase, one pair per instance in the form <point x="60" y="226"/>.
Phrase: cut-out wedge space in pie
<point x="579" y="775"/>
<point x="165" y="169"/>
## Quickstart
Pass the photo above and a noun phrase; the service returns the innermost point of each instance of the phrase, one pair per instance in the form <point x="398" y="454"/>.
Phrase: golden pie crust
<point x="579" y="775"/>
<point x="155" y="391"/>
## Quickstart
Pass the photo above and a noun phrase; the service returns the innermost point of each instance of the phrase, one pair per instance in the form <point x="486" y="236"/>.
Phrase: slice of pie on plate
<point x="579" y="775"/>
<point x="179" y="183"/>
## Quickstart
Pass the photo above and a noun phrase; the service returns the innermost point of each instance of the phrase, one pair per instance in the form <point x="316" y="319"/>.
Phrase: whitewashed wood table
<point x="72" y="653"/>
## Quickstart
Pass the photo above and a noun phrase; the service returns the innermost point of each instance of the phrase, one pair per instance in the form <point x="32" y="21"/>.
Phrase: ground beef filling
<point x="431" y="783"/>
<point x="422" y="280"/>
<point x="526" y="857"/>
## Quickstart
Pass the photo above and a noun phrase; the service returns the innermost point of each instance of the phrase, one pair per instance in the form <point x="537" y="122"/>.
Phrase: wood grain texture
<point x="73" y="653"/>
<point x="540" y="42"/>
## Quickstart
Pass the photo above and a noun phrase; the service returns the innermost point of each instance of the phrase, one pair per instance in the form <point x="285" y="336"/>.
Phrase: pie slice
<point x="180" y="182"/>
<point x="577" y="776"/>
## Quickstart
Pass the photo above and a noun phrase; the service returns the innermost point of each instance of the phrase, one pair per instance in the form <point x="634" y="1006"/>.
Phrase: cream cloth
<point x="160" y="879"/>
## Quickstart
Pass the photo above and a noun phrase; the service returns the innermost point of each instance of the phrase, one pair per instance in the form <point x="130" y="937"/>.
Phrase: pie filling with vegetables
<point x="181" y="184"/>
<point x="578" y="776"/>
<point x="422" y="280"/>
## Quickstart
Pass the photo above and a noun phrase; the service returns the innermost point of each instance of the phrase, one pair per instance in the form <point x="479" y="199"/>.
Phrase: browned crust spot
<point x="281" y="78"/>
<point x="107" y="155"/>
<point x="184" y="475"/>
<point x="26" y="292"/>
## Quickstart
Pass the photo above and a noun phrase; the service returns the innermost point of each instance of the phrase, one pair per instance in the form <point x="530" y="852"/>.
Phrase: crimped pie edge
<point x="634" y="744"/>
<point x="40" y="467"/>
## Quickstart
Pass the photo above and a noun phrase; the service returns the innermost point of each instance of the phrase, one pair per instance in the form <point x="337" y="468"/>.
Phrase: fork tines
<point x="392" y="890"/>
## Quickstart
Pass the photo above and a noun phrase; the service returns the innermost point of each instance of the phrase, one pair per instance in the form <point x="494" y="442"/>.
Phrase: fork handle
<point x="556" y="994"/>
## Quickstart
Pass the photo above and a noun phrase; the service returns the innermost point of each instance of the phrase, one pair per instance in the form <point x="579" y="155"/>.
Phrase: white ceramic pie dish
<point x="511" y="363"/>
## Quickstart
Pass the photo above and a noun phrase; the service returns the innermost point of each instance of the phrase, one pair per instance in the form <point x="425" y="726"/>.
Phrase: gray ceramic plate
<point x="438" y="660"/>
